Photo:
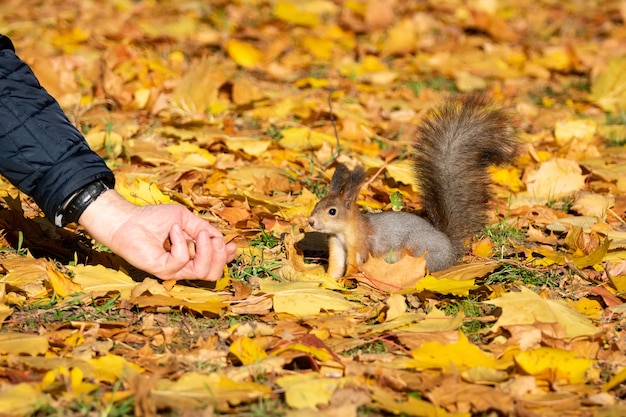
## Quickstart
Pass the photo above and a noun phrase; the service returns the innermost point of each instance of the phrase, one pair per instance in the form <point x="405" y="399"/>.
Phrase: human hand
<point x="136" y="233"/>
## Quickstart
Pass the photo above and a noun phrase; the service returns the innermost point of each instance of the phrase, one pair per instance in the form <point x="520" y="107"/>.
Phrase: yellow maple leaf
<point x="467" y="271"/>
<point x="308" y="390"/>
<point x="311" y="82"/>
<point x="590" y="308"/>
<point x="453" y="357"/>
<point x="74" y="376"/>
<point x="61" y="284"/>
<point x="247" y="350"/>
<point x="483" y="247"/>
<point x="21" y="343"/>
<point x="22" y="399"/>
<point x="111" y="368"/>
<point x="101" y="139"/>
<point x="292" y="12"/>
<point x="193" y="389"/>
<point x="619" y="282"/>
<point x="567" y="130"/>
<point x="101" y="280"/>
<point x="608" y="90"/>
<point x="244" y="53"/>
<point x="320" y="48"/>
<point x="556" y="58"/>
<point x="435" y="321"/>
<point x="403" y="171"/>
<point x="445" y="285"/>
<point x="159" y="300"/>
<point x="69" y="40"/>
<point x="27" y="274"/>
<point x="401" y="38"/>
<point x="302" y="138"/>
<point x="319" y="353"/>
<point x="508" y="177"/>
<point x="141" y="192"/>
<point x="555" y="178"/>
<point x="191" y="154"/>
<point x="304" y="298"/>
<point x="554" y="365"/>
<point x="411" y="407"/>
<point x="251" y="146"/>
<point x="527" y="307"/>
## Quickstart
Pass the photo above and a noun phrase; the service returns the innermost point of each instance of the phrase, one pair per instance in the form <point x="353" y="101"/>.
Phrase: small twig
<point x="373" y="177"/>
<point x="616" y="215"/>
<point x="332" y="117"/>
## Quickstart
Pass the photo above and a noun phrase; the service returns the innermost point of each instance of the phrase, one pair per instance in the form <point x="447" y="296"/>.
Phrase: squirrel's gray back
<point x="394" y="231"/>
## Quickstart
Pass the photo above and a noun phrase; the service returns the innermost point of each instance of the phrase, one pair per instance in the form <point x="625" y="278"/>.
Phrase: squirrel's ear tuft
<point x="352" y="187"/>
<point x="339" y="180"/>
<point x="357" y="176"/>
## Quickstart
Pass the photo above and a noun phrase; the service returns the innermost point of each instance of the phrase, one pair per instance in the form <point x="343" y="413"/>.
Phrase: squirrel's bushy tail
<point x="456" y="143"/>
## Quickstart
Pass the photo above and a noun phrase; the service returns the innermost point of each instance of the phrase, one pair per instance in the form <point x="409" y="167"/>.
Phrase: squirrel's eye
<point x="332" y="211"/>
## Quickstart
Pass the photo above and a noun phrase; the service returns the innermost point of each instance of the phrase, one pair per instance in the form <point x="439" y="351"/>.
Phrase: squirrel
<point x="457" y="143"/>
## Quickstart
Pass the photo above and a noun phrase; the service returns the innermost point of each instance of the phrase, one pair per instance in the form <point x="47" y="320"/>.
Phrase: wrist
<point x="105" y="215"/>
<point x="77" y="203"/>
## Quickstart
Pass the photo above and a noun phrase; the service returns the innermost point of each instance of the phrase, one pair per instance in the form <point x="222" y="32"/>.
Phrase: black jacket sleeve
<point x="41" y="152"/>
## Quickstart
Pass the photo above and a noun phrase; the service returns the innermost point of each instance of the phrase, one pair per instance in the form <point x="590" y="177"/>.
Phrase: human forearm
<point x="41" y="152"/>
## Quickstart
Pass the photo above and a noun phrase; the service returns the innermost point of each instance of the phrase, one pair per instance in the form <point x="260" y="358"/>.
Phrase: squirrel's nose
<point x="312" y="222"/>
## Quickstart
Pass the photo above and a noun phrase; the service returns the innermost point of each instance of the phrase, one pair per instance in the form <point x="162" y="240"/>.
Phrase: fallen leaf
<point x="592" y="204"/>
<point x="296" y="13"/>
<point x="244" y="53"/>
<point x="192" y="155"/>
<point x="608" y="90"/>
<point x="396" y="304"/>
<point x="194" y="389"/>
<point x="27" y="274"/>
<point x="395" y="276"/>
<point x="301" y="138"/>
<point x="21" y="399"/>
<point x="247" y="350"/>
<point x="111" y="368"/>
<point x="99" y="280"/>
<point x="566" y="131"/>
<point x="303" y="299"/>
<point x="17" y="343"/>
<point x="459" y="356"/>
<point x="308" y="390"/>
<point x="61" y="284"/>
<point x="251" y="146"/>
<point x="141" y="192"/>
<point x="555" y="179"/>
<point x="445" y="285"/>
<point x="554" y="365"/>
<point x="526" y="307"/>
<point x="411" y="407"/>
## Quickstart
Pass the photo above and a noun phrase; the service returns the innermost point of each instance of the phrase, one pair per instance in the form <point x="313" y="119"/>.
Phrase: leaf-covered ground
<point x="230" y="108"/>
